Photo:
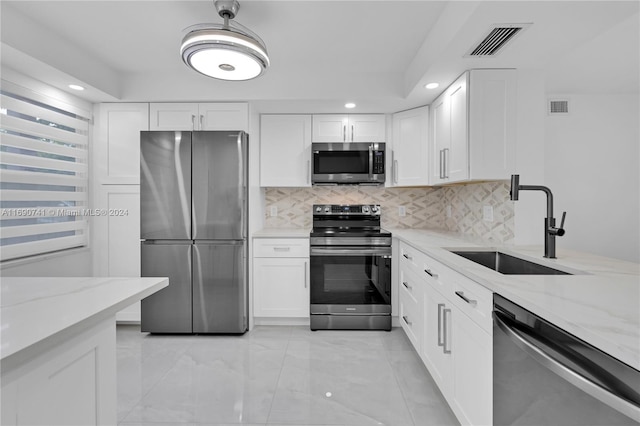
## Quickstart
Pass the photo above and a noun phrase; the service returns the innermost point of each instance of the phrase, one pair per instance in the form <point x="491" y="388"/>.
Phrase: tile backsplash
<point x="425" y="207"/>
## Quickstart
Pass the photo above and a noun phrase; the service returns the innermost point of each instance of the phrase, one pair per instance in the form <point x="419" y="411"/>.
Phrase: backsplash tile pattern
<point x="467" y="202"/>
<point x="425" y="207"/>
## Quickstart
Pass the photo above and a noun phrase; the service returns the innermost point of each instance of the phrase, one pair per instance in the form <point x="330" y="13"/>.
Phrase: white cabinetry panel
<point x="285" y="150"/>
<point x="202" y="116"/>
<point x="349" y="128"/>
<point x="411" y="147"/>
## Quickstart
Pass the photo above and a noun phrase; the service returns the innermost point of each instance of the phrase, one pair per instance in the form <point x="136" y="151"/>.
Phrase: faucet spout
<point x="550" y="230"/>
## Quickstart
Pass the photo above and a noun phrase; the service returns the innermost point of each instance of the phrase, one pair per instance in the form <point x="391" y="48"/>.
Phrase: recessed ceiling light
<point x="431" y="85"/>
<point x="76" y="87"/>
<point x="349" y="105"/>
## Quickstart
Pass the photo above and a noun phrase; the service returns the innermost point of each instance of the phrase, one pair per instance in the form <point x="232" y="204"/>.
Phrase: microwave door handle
<point x="371" y="161"/>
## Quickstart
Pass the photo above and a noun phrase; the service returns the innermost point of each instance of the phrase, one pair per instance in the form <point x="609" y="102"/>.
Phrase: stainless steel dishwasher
<point x="545" y="376"/>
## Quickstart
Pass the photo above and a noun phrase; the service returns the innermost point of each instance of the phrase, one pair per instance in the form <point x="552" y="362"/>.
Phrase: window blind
<point x="43" y="173"/>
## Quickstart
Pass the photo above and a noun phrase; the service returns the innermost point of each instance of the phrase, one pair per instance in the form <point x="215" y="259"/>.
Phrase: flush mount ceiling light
<point x="349" y="105"/>
<point x="226" y="51"/>
<point x="431" y="86"/>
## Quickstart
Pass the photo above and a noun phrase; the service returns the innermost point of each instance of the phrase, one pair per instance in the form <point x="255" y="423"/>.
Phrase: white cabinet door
<point x="349" y="128"/>
<point x="330" y="128"/>
<point x="472" y="350"/>
<point x="281" y="287"/>
<point x="456" y="159"/>
<point x="436" y="341"/>
<point x="223" y="116"/>
<point x="116" y="158"/>
<point x="411" y="315"/>
<point x="411" y="147"/>
<point x="173" y="116"/>
<point x="366" y="128"/>
<point x="441" y="139"/>
<point x="116" y="237"/>
<point x="285" y="150"/>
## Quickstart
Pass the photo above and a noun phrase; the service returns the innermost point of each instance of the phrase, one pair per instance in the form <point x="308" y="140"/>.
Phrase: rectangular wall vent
<point x="558" y="106"/>
<point x="499" y="35"/>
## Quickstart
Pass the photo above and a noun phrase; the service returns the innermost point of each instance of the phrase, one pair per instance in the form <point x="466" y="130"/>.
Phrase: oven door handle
<point x="358" y="251"/>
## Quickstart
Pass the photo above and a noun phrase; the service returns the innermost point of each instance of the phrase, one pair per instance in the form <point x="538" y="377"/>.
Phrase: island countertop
<point x="34" y="309"/>
<point x="600" y="304"/>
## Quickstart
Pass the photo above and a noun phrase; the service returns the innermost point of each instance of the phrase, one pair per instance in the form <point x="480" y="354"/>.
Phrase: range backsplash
<point x="425" y="207"/>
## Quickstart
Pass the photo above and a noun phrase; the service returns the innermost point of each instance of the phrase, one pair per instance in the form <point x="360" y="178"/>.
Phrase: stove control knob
<point x="375" y="209"/>
<point x="318" y="209"/>
<point x="365" y="209"/>
<point x="327" y="209"/>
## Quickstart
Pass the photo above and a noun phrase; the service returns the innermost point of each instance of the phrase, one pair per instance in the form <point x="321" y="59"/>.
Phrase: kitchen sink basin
<point x="507" y="264"/>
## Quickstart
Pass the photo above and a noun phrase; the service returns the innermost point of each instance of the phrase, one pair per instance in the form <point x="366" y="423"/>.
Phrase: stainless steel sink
<point x="507" y="264"/>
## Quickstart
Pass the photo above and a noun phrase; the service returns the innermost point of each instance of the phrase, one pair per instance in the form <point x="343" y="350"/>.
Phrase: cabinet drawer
<point x="281" y="247"/>
<point x="411" y="318"/>
<point x="472" y="299"/>
<point x="411" y="286"/>
<point x="411" y="258"/>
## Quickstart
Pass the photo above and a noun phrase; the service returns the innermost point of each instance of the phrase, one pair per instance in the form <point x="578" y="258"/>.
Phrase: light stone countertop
<point x="282" y="233"/>
<point x="601" y="305"/>
<point x="34" y="310"/>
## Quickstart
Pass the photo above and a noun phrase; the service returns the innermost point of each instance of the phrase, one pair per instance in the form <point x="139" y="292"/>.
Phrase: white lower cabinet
<point x="454" y="338"/>
<point x="281" y="278"/>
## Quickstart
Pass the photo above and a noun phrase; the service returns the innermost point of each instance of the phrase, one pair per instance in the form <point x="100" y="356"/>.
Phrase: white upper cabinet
<point x="473" y="128"/>
<point x="117" y="144"/>
<point x="349" y="128"/>
<point x="285" y="150"/>
<point x="410" y="165"/>
<point x="202" y="116"/>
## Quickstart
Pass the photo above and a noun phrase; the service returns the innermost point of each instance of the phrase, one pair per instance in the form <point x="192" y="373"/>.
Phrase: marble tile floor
<point x="275" y="375"/>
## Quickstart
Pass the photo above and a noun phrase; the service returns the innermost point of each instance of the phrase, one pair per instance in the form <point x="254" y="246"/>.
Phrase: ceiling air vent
<point x="558" y="107"/>
<point x="499" y="35"/>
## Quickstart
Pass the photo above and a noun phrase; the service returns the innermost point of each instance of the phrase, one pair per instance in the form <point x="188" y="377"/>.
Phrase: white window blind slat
<point x="43" y="146"/>
<point x="41" y="162"/>
<point x="40" y="112"/>
<point x="36" y="178"/>
<point x="42" y="246"/>
<point x="40" y="130"/>
<point x="19" y="195"/>
<point x="43" y="173"/>
<point x="43" y="228"/>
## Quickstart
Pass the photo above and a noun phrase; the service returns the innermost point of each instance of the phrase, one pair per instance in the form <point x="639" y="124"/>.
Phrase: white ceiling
<point x="378" y="54"/>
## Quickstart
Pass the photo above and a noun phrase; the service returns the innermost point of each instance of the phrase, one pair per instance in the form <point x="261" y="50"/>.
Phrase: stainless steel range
<point x="350" y="269"/>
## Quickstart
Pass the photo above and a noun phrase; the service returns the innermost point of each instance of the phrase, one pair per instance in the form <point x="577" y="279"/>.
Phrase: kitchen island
<point x="58" y="362"/>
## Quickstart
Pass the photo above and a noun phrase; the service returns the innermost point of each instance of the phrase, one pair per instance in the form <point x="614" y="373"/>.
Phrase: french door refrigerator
<point x="193" y="225"/>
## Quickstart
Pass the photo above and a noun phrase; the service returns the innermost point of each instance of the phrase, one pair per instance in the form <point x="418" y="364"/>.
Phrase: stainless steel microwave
<point x="341" y="163"/>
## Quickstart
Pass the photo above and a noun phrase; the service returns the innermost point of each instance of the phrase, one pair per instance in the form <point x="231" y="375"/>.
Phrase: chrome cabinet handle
<point x="446" y="162"/>
<point x="395" y="171"/>
<point x="282" y="249"/>
<point x="461" y="295"/>
<point x="305" y="274"/>
<point x="404" y="317"/>
<point x="201" y="120"/>
<point x="440" y="306"/>
<point x="406" y="256"/>
<point x="442" y="164"/>
<point x="344" y="133"/>
<point x="193" y="122"/>
<point x="352" y="132"/>
<point x="404" y="283"/>
<point x="431" y="274"/>
<point x="444" y="331"/>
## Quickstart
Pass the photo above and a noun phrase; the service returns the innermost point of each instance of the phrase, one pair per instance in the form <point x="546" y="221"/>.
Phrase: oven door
<point x="350" y="280"/>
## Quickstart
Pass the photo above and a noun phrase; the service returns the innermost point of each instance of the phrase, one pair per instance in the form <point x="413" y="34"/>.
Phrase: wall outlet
<point x="487" y="213"/>
<point x="274" y="211"/>
<point x="402" y="211"/>
<point x="448" y="210"/>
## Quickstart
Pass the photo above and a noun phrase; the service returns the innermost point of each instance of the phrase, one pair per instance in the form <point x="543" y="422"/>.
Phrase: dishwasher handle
<point x="557" y="362"/>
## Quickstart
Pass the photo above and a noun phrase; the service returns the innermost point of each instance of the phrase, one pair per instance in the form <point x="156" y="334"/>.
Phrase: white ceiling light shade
<point x="349" y="105"/>
<point x="431" y="86"/>
<point x="226" y="51"/>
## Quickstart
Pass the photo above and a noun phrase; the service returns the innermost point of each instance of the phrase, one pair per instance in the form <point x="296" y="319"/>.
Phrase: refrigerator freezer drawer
<point x="169" y="310"/>
<point x="219" y="287"/>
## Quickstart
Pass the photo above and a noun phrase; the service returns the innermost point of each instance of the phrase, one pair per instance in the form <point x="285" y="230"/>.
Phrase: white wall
<point x="591" y="165"/>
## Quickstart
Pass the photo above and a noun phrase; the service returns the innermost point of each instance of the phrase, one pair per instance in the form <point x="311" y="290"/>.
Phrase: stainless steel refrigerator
<point x="193" y="225"/>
